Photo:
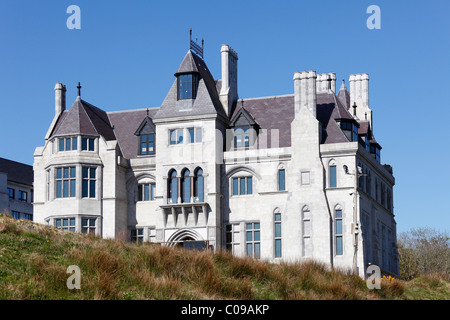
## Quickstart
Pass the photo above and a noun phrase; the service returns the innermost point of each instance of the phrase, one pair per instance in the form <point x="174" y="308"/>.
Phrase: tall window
<point x="65" y="182"/>
<point x="232" y="237"/>
<point x="88" y="225"/>
<point x="242" y="185"/>
<point x="67" y="144"/>
<point x="281" y="180"/>
<point x="137" y="235"/>
<point x="23" y="196"/>
<point x="11" y="193"/>
<point x="187" y="86"/>
<point x="173" y="187"/>
<point x="146" y="192"/>
<point x="333" y="176"/>
<point x="195" y="135"/>
<point x="88" y="184"/>
<point x="253" y="239"/>
<point x="199" y="185"/>
<point x="186" y="186"/>
<point x="66" y="224"/>
<point x="176" y="136"/>
<point x="306" y="232"/>
<point x="338" y="232"/>
<point x="87" y="144"/>
<point x="147" y="144"/>
<point x="277" y="233"/>
<point x="241" y="137"/>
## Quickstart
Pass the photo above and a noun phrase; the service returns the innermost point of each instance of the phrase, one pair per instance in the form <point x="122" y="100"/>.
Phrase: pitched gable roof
<point x="84" y="118"/>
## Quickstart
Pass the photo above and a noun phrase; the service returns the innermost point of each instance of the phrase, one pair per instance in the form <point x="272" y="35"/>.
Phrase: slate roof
<point x="17" y="172"/>
<point x="207" y="101"/>
<point x="125" y="125"/>
<point x="84" y="118"/>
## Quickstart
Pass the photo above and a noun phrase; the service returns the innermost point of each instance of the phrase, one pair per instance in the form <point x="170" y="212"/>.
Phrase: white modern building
<point x="288" y="177"/>
<point x="16" y="189"/>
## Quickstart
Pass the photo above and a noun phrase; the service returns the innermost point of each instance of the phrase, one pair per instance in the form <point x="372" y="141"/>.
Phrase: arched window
<point x="306" y="232"/>
<point x="186" y="186"/>
<point x="332" y="174"/>
<point x="199" y="185"/>
<point x="173" y="187"/>
<point x="277" y="232"/>
<point x="338" y="231"/>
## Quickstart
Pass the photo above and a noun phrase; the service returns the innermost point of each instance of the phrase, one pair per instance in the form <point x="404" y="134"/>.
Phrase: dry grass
<point x="34" y="259"/>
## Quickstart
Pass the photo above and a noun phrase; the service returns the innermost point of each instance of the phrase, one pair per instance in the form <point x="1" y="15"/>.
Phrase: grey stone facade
<point x="271" y="177"/>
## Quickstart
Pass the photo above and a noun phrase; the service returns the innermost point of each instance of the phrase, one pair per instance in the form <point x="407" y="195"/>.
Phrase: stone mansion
<point x="279" y="178"/>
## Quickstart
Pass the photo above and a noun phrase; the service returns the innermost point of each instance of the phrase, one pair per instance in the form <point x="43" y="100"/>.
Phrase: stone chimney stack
<point x="359" y="95"/>
<point x="60" y="99"/>
<point x="305" y="91"/>
<point x="228" y="91"/>
<point x="359" y="90"/>
<point x="326" y="82"/>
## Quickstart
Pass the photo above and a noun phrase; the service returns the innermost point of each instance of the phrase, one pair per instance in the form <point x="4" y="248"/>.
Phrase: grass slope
<point x="34" y="260"/>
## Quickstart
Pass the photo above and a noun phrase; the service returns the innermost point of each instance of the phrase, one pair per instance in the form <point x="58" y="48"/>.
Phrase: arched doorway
<point x="182" y="235"/>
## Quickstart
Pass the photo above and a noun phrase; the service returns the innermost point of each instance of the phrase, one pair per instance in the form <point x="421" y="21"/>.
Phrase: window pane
<point x="281" y="180"/>
<point x="61" y="144"/>
<point x="72" y="172"/>
<point x="277" y="230"/>
<point x="173" y="137"/>
<point x="58" y="222"/>
<point x="191" y="138"/>
<point x="92" y="189"/>
<point x="92" y="173"/>
<point x="249" y="185"/>
<point x="84" y="144"/>
<point x="85" y="188"/>
<point x="277" y="248"/>
<point x="68" y="144"/>
<point x="235" y="186"/>
<point x="249" y="235"/>
<point x="74" y="143"/>
<point x="146" y="192"/>
<point x="174" y="190"/>
<point x="152" y="193"/>
<point x="200" y="189"/>
<point x="257" y="235"/>
<point x="338" y="226"/>
<point x="65" y="188"/>
<point x="338" y="214"/>
<point x="242" y="186"/>
<point x="59" y="189"/>
<point x="66" y="172"/>
<point x="249" y="249"/>
<point x="72" y="187"/>
<point x="65" y="222"/>
<point x="257" y="250"/>
<point x="84" y="222"/>
<point x="180" y="136"/>
<point x="277" y="216"/>
<point x="92" y="222"/>
<point x="91" y="144"/>
<point x="339" y="250"/>
<point x="249" y="226"/>
<point x="333" y="176"/>
<point x="198" y="133"/>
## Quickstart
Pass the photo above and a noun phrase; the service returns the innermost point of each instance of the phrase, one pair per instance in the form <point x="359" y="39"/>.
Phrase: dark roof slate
<point x="84" y="118"/>
<point x="17" y="172"/>
<point x="207" y="101"/>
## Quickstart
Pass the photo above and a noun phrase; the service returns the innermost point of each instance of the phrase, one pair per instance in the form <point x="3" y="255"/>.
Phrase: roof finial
<point x="147" y="112"/>
<point x="354" y="108"/>
<point x="79" y="89"/>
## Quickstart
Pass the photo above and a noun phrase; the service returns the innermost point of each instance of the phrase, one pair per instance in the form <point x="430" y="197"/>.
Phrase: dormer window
<point x="375" y="151"/>
<point x="187" y="86"/>
<point x="350" y="130"/>
<point x="244" y="129"/>
<point x="146" y="137"/>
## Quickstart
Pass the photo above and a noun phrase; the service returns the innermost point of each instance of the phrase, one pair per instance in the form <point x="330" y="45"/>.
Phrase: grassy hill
<point x="34" y="261"/>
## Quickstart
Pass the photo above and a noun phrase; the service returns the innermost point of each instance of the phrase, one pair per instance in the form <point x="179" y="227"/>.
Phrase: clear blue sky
<point x="126" y="53"/>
